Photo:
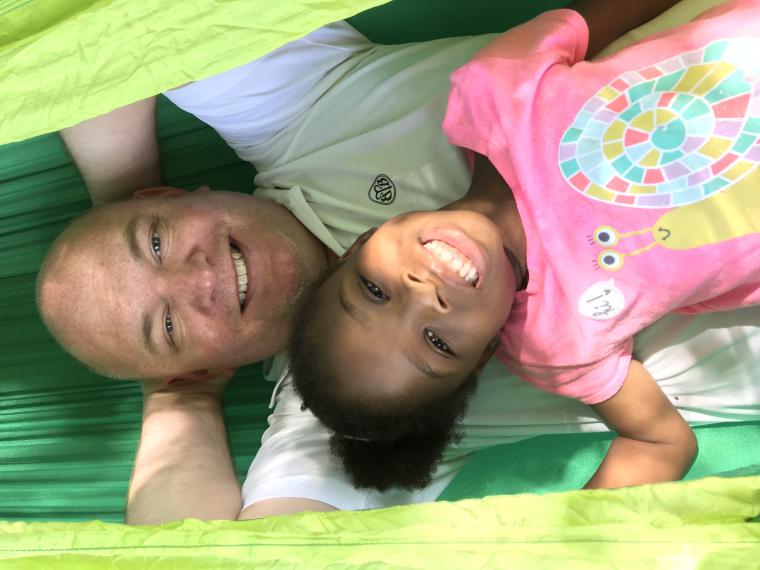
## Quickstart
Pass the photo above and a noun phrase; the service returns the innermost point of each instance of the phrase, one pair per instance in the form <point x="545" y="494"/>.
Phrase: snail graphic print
<point x="683" y="136"/>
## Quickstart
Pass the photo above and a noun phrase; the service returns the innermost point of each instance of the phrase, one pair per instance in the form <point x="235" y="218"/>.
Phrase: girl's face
<point x="413" y="308"/>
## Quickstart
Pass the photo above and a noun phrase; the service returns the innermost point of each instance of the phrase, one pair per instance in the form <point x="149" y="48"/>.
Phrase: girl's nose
<point x="425" y="290"/>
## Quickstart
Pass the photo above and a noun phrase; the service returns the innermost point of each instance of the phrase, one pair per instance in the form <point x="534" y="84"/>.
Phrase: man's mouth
<point x="241" y="272"/>
<point x="458" y="262"/>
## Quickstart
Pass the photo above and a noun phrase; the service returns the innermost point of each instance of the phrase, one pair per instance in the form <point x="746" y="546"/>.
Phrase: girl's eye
<point x="374" y="291"/>
<point x="168" y="324"/>
<point x="437" y="342"/>
<point x="155" y="243"/>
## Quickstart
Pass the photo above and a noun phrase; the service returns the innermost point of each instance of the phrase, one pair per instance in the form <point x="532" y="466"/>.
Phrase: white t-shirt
<point x="346" y="135"/>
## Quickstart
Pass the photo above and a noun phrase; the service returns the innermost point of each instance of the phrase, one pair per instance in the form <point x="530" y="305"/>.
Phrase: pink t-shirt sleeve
<point x="591" y="383"/>
<point x="476" y="113"/>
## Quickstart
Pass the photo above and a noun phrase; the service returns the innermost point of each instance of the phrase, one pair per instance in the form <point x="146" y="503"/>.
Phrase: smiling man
<point x="178" y="284"/>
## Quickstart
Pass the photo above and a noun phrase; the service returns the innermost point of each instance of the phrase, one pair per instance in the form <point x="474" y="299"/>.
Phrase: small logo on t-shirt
<point x="602" y="301"/>
<point x="382" y="191"/>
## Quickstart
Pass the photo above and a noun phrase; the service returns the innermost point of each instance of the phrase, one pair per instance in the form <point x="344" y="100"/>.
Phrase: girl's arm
<point x="653" y="444"/>
<point x="608" y="20"/>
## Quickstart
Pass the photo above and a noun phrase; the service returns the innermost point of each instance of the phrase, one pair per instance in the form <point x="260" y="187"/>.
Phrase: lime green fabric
<point x="699" y="524"/>
<point x="87" y="57"/>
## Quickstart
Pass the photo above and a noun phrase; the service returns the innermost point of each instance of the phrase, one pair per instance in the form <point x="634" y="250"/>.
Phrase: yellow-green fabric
<point x="64" y="61"/>
<point x="697" y="524"/>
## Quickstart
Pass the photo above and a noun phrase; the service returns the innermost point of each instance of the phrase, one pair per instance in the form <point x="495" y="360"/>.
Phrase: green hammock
<point x="68" y="437"/>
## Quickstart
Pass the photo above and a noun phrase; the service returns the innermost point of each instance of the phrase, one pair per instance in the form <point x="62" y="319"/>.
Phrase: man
<point x="181" y="281"/>
<point x="364" y="130"/>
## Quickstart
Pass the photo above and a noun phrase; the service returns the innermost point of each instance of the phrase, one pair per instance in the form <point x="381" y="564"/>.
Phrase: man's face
<point x="177" y="283"/>
<point x="413" y="309"/>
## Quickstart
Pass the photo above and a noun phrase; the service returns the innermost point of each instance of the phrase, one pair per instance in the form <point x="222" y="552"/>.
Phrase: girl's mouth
<point x="458" y="262"/>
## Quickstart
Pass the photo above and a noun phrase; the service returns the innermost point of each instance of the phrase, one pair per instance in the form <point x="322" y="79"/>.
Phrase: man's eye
<point x="155" y="243"/>
<point x="168" y="324"/>
<point x="437" y="342"/>
<point x="374" y="291"/>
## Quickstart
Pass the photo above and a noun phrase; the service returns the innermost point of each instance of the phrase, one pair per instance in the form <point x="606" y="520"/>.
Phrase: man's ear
<point x="202" y="375"/>
<point x="360" y="241"/>
<point x="159" y="192"/>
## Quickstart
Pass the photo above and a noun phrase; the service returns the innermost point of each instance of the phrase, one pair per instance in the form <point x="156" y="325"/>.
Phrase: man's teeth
<point x="457" y="261"/>
<point x="242" y="274"/>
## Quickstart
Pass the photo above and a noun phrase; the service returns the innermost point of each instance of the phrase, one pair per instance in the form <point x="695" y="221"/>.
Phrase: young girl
<point x="624" y="189"/>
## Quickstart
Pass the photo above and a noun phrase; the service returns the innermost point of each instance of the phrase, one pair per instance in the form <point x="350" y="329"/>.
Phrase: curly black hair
<point x="398" y="446"/>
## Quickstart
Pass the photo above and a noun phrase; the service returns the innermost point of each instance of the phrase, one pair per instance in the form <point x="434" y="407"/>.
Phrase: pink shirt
<point x="635" y="177"/>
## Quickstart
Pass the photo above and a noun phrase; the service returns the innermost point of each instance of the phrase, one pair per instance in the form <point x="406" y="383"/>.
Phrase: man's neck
<point x="489" y="195"/>
<point x="329" y="257"/>
<point x="319" y="258"/>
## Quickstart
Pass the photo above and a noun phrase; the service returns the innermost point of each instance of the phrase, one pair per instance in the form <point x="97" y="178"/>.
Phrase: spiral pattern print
<point x="670" y="134"/>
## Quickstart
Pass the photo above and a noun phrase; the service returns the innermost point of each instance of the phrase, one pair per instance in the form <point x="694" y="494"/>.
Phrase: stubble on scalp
<point x="61" y="290"/>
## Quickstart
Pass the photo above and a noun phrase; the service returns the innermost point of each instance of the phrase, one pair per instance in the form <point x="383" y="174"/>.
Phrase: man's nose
<point x="425" y="289"/>
<point x="194" y="281"/>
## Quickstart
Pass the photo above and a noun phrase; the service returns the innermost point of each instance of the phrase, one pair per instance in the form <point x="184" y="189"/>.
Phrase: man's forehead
<point x="130" y="341"/>
<point x="120" y="299"/>
<point x="101" y="331"/>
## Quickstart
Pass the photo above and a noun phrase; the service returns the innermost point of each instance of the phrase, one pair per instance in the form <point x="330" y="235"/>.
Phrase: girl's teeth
<point x="454" y="259"/>
<point x="465" y="269"/>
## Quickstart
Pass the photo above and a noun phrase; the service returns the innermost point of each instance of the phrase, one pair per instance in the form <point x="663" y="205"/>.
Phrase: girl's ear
<point x="360" y="241"/>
